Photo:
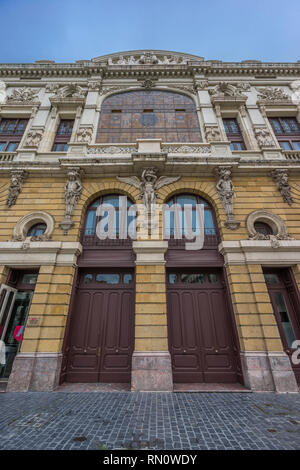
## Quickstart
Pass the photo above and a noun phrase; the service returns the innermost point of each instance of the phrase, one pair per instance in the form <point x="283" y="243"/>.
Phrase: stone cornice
<point x="88" y="69"/>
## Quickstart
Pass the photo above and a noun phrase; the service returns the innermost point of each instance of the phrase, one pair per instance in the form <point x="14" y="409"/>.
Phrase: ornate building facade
<point x="157" y="127"/>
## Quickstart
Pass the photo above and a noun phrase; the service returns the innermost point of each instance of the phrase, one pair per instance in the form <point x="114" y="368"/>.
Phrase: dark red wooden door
<point x="201" y="336"/>
<point x="285" y="302"/>
<point x="102" y="328"/>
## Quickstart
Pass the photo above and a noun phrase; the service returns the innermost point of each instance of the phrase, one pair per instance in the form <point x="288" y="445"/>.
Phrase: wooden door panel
<point x="201" y="340"/>
<point x="101" y="332"/>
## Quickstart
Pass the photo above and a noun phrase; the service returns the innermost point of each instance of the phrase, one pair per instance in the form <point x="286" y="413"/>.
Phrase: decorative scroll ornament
<point x="186" y="149"/>
<point x="16" y="183"/>
<point x="70" y="91"/>
<point x="148" y="185"/>
<point x="109" y="89"/>
<point x="148" y="84"/>
<point x="225" y="191"/>
<point x="263" y="137"/>
<point x="94" y="85"/>
<point x="73" y="190"/>
<point x="110" y="150"/>
<point x="84" y="134"/>
<point x="212" y="133"/>
<point x="272" y="94"/>
<point x="281" y="178"/>
<point x="23" y="95"/>
<point x="147" y="58"/>
<point x="33" y="138"/>
<point x="2" y="92"/>
<point x="228" y="89"/>
<point x="200" y="84"/>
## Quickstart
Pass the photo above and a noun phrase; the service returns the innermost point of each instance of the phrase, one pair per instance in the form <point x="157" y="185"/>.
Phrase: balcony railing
<point x="292" y="154"/>
<point x="7" y="156"/>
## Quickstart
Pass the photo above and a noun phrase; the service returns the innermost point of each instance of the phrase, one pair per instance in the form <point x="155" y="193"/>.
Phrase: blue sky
<point x="229" y="30"/>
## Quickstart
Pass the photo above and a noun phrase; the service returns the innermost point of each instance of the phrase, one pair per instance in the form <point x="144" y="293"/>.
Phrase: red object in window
<point x="18" y="333"/>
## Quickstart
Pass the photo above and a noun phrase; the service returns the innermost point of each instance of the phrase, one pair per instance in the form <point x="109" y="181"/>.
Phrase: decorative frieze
<point x="281" y="178"/>
<point x="33" y="138"/>
<point x="272" y="94"/>
<point x="186" y="149"/>
<point x="147" y="58"/>
<point x="225" y="190"/>
<point x="110" y="150"/>
<point x="263" y="137"/>
<point x="23" y="95"/>
<point x="16" y="183"/>
<point x="73" y="190"/>
<point x="2" y="92"/>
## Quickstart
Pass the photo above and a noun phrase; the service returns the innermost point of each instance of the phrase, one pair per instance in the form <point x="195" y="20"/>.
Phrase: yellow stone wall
<point x="150" y="309"/>
<point x="255" y="319"/>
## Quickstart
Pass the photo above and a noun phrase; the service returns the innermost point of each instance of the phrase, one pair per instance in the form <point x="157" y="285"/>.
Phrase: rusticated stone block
<point x="151" y="372"/>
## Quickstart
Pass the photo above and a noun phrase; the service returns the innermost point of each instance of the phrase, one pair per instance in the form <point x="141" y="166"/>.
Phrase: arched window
<point x="211" y="236"/>
<point x="133" y="115"/>
<point x="36" y="230"/>
<point x="115" y="215"/>
<point x="263" y="228"/>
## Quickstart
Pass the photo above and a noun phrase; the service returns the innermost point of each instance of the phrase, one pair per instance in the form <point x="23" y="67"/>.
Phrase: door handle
<point x="99" y="352"/>
<point x="84" y="351"/>
<point x="117" y="350"/>
<point x="184" y="351"/>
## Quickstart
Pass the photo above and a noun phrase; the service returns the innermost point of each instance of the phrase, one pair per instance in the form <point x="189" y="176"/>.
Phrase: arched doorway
<point x="100" y="334"/>
<point x="201" y="331"/>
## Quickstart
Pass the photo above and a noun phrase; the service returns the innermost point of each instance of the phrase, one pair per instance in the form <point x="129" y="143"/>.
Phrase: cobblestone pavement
<point x="122" y="420"/>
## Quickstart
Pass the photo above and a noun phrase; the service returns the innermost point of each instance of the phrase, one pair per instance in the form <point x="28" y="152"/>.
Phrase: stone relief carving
<point x="73" y="90"/>
<point x="84" y="134"/>
<point x="110" y="150"/>
<point x="73" y="190"/>
<point x="33" y="138"/>
<point x="212" y="133"/>
<point x="27" y="221"/>
<point x="225" y="190"/>
<point x="200" y="84"/>
<point x="264" y="137"/>
<point x="272" y="94"/>
<point x="148" y="184"/>
<point x="16" y="183"/>
<point x="2" y="92"/>
<point x="94" y="85"/>
<point x="109" y="89"/>
<point x="23" y="95"/>
<point x="280" y="176"/>
<point x="229" y="89"/>
<point x="186" y="149"/>
<point x="148" y="83"/>
<point x="147" y="58"/>
<point x="274" y="221"/>
<point x="189" y="89"/>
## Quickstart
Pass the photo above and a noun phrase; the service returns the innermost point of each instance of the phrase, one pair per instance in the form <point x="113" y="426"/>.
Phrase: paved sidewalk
<point x="125" y="420"/>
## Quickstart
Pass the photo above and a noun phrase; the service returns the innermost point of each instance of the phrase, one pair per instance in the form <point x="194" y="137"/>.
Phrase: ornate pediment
<point x="148" y="57"/>
<point x="68" y="94"/>
<point x="231" y="90"/>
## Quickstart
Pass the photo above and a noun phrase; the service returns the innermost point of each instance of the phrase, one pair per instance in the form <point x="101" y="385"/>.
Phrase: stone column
<point x="151" y="361"/>
<point x="265" y="365"/>
<point x="37" y="366"/>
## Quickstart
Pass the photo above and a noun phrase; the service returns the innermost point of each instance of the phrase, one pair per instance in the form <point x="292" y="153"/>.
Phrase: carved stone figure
<point x="272" y="94"/>
<point x="263" y="137"/>
<point x="23" y="95"/>
<point x="212" y="133"/>
<point x="94" y="85"/>
<point x="73" y="190"/>
<point x="33" y="138"/>
<point x="200" y="84"/>
<point x="148" y="185"/>
<point x="2" y="92"/>
<point x="225" y="191"/>
<point x="84" y="134"/>
<point x="16" y="182"/>
<point x="281" y="178"/>
<point x="147" y="58"/>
